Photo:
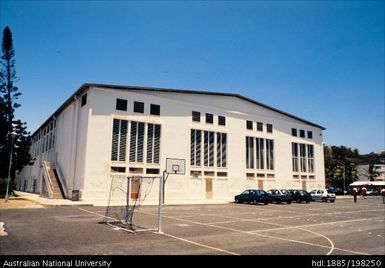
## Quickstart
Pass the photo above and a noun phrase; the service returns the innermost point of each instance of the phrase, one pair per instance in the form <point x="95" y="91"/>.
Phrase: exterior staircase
<point x="53" y="187"/>
<point x="56" y="189"/>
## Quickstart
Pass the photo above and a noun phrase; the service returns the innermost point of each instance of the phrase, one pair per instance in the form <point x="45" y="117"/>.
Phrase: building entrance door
<point x="209" y="188"/>
<point x="260" y="184"/>
<point x="304" y="185"/>
<point x="134" y="189"/>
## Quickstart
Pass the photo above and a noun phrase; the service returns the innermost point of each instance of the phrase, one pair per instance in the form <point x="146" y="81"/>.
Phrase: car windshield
<point x="285" y="192"/>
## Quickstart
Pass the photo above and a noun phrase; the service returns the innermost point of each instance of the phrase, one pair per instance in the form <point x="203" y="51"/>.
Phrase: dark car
<point x="253" y="196"/>
<point x="300" y="196"/>
<point x="279" y="196"/>
<point x="337" y="190"/>
<point x="372" y="192"/>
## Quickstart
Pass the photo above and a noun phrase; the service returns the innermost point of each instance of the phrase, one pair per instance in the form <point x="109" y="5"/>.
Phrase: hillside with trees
<point x="342" y="161"/>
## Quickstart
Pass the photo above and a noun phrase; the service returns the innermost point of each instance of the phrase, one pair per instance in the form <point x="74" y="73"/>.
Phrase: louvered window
<point x="249" y="152"/>
<point x="260" y="153"/>
<point x="119" y="140"/>
<point x="208" y="149"/>
<point x="153" y="143"/>
<point x="294" y="153"/>
<point x="221" y="149"/>
<point x="136" y="142"/>
<point x="269" y="154"/>
<point x="195" y="150"/>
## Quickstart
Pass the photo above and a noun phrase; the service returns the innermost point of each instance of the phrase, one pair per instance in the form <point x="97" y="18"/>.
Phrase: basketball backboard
<point x="175" y="166"/>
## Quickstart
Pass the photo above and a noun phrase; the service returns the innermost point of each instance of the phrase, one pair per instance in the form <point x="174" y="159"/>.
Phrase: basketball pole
<point x="161" y="183"/>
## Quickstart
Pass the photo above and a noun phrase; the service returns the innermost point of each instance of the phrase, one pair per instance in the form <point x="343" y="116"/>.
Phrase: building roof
<point x="139" y="88"/>
<point x="367" y="183"/>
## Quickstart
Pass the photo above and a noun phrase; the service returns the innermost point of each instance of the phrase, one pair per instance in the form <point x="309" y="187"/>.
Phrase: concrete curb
<point x="36" y="198"/>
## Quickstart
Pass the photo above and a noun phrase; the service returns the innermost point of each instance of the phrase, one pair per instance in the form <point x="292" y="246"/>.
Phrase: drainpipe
<point x="75" y="191"/>
<point x="55" y="141"/>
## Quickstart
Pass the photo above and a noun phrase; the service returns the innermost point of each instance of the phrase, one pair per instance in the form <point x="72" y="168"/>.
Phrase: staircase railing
<point x="61" y="180"/>
<point x="47" y="180"/>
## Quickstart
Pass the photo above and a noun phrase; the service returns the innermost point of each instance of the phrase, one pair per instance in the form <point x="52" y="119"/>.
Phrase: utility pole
<point x="12" y="135"/>
<point x="343" y="176"/>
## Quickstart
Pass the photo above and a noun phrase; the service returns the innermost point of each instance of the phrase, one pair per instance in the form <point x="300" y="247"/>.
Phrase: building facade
<point x="229" y="143"/>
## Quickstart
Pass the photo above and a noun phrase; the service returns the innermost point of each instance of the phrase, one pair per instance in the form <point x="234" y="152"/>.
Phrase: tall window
<point x="294" y="156"/>
<point x="260" y="153"/>
<point x="136" y="142"/>
<point x="195" y="153"/>
<point x="310" y="159"/>
<point x="208" y="148"/>
<point x="221" y="120"/>
<point x="153" y="143"/>
<point x="249" y="125"/>
<point x="119" y="140"/>
<point x="155" y="109"/>
<point x="138" y="107"/>
<point x="302" y="155"/>
<point x="209" y="118"/>
<point x="294" y="132"/>
<point x="121" y="105"/>
<point x="309" y="134"/>
<point x="221" y="149"/>
<point x="269" y="128"/>
<point x="84" y="100"/>
<point x="196" y="116"/>
<point x="259" y="126"/>
<point x="269" y="154"/>
<point x="249" y="152"/>
<point x="302" y="133"/>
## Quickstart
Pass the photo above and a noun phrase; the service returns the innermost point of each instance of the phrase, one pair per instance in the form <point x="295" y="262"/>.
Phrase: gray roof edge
<point x="83" y="87"/>
<point x="206" y="93"/>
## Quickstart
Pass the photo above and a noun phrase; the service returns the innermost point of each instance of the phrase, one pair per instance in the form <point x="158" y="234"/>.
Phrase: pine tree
<point x="8" y="103"/>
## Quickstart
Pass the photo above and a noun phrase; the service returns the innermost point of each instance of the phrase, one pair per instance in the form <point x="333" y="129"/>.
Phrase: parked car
<point x="372" y="192"/>
<point x="322" y="195"/>
<point x="279" y="196"/>
<point x="300" y="196"/>
<point x="253" y="196"/>
<point x="337" y="190"/>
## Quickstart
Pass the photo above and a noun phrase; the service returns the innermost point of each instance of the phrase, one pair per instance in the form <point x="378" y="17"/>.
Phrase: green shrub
<point x="3" y="186"/>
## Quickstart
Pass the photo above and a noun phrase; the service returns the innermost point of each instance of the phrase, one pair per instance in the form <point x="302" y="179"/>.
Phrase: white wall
<point x="175" y="142"/>
<point x="83" y="144"/>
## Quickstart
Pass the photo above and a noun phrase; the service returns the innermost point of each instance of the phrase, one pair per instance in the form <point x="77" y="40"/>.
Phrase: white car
<point x="322" y="195"/>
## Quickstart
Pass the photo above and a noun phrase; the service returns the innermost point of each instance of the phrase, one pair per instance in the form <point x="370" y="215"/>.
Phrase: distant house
<point x="363" y="172"/>
<point x="380" y="169"/>
<point x="229" y="143"/>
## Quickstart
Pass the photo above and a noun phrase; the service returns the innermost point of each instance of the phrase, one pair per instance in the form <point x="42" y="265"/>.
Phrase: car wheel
<point x="298" y="200"/>
<point x="307" y="202"/>
<point x="255" y="202"/>
<point x="266" y="203"/>
<point x="324" y="199"/>
<point x="288" y="202"/>
<point x="278" y="201"/>
<point x="236" y="201"/>
<point x="332" y="201"/>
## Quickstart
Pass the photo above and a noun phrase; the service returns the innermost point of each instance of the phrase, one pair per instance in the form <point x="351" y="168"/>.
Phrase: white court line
<point x="306" y="225"/>
<point x="268" y="236"/>
<point x="173" y="236"/>
<point x="199" y="244"/>
<point x="245" y="232"/>
<point x="331" y="248"/>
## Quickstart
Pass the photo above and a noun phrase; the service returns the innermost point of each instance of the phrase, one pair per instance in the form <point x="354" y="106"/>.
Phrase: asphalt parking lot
<point x="340" y="228"/>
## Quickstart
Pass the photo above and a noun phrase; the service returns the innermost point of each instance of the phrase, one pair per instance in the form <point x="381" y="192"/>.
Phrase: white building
<point x="229" y="142"/>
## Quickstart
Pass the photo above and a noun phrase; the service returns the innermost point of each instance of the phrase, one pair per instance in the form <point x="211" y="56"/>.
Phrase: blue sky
<point x="320" y="60"/>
